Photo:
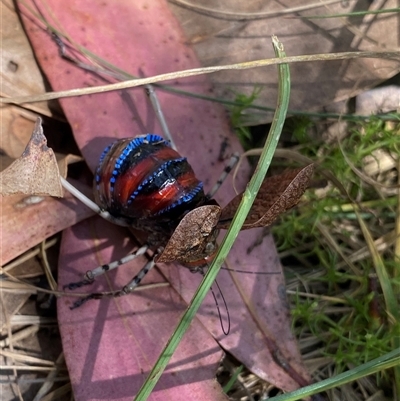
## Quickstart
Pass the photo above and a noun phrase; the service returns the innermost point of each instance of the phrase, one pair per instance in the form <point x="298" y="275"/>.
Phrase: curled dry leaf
<point x="276" y="195"/>
<point x="192" y="235"/>
<point x="35" y="172"/>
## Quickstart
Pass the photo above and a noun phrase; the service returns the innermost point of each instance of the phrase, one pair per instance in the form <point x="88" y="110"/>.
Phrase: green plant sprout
<point x="242" y="104"/>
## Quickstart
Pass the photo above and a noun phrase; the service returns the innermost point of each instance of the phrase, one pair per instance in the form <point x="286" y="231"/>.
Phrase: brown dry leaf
<point x="276" y="195"/>
<point x="63" y="161"/>
<point x="237" y="31"/>
<point x="20" y="74"/>
<point x="190" y="238"/>
<point x="5" y="161"/>
<point x="16" y="129"/>
<point x="35" y="172"/>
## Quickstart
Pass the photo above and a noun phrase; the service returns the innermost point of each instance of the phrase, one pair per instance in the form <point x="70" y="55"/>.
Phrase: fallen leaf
<point x="277" y="194"/>
<point x="236" y="32"/>
<point x="35" y="172"/>
<point x="26" y="221"/>
<point x="63" y="161"/>
<point x="20" y="74"/>
<point x="112" y="345"/>
<point x="5" y="161"/>
<point x="190" y="238"/>
<point x="16" y="129"/>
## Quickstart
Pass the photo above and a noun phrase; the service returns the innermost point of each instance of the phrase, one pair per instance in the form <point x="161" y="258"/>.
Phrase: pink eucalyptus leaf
<point x="147" y="39"/>
<point x="111" y="345"/>
<point x="28" y="220"/>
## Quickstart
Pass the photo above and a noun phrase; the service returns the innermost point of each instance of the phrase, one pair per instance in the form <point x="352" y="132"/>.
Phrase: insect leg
<point x="137" y="279"/>
<point x="93" y="206"/>
<point x="91" y="275"/>
<point x="159" y="113"/>
<point x="228" y="168"/>
<point x="126" y="290"/>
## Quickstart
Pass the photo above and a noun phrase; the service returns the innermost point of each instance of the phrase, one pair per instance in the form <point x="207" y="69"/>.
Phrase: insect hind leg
<point x="91" y="275"/>
<point x="127" y="289"/>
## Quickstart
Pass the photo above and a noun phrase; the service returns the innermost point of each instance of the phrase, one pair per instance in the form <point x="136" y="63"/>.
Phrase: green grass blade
<point x="386" y="361"/>
<point x="228" y="386"/>
<point x="238" y="220"/>
<point x="392" y="307"/>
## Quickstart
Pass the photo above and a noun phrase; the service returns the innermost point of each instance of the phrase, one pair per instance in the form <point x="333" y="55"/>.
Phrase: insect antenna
<point x="225" y="331"/>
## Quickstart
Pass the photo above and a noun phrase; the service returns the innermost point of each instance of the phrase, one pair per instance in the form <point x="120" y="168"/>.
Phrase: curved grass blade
<point x="248" y="198"/>
<point x="389" y="360"/>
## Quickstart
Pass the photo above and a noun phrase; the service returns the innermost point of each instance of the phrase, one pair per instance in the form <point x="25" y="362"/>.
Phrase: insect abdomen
<point x="143" y="178"/>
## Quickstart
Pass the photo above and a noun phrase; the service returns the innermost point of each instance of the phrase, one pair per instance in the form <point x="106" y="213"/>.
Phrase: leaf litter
<point x="113" y="255"/>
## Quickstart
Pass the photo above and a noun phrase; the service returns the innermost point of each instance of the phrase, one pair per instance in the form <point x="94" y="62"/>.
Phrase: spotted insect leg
<point x="91" y="275"/>
<point x="127" y="289"/>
